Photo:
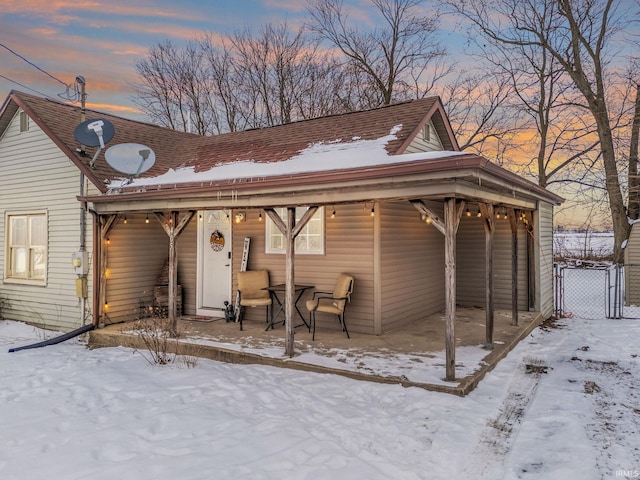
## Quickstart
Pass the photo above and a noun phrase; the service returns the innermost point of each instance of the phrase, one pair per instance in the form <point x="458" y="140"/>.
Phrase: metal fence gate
<point x="592" y="290"/>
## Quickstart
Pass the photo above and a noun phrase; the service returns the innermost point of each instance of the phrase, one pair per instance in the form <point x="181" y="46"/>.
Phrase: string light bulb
<point x="479" y="214"/>
<point x="125" y="220"/>
<point x="373" y="211"/>
<point x="260" y="217"/>
<point x="146" y="220"/>
<point x="333" y="214"/>
<point x="428" y="220"/>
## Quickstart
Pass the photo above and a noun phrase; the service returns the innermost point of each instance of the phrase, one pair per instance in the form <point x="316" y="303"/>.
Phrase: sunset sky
<point x="102" y="40"/>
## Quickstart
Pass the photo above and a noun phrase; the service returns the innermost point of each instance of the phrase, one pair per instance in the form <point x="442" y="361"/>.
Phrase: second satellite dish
<point x="131" y="159"/>
<point x="95" y="132"/>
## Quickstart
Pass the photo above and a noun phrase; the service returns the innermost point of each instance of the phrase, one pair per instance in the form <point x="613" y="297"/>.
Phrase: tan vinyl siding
<point x="37" y="176"/>
<point x="348" y="249"/>
<point x="470" y="259"/>
<point x="632" y="267"/>
<point x="421" y="144"/>
<point x="412" y="266"/>
<point x="187" y="247"/>
<point x="543" y="227"/>
<point x="136" y="254"/>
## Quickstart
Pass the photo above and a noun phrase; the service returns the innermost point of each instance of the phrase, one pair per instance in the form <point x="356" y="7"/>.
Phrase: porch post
<point x="452" y="221"/>
<point x="531" y="266"/>
<point x="106" y="224"/>
<point x="513" y="220"/>
<point x="173" y="228"/>
<point x="290" y="230"/>
<point x="449" y="228"/>
<point x="173" y="274"/>
<point x="489" y="229"/>
<point x="289" y="280"/>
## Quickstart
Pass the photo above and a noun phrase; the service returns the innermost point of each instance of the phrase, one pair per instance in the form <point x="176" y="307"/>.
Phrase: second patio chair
<point x="251" y="288"/>
<point x="332" y="302"/>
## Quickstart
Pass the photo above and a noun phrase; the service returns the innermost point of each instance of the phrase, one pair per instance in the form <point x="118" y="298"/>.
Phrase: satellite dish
<point x="95" y="132"/>
<point x="130" y="158"/>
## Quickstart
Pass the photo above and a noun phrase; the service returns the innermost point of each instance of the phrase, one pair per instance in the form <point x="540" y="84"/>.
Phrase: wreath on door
<point x="216" y="241"/>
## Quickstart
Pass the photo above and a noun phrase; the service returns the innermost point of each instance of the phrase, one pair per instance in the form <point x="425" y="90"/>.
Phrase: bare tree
<point x="173" y="88"/>
<point x="395" y="58"/>
<point x="286" y="74"/>
<point x="249" y="80"/>
<point x="484" y="122"/>
<point x="580" y="36"/>
<point x="227" y="107"/>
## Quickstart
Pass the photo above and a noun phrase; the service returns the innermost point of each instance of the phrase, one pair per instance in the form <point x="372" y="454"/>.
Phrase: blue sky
<point x="102" y="40"/>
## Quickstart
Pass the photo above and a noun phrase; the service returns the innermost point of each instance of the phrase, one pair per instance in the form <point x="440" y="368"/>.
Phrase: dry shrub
<point x="158" y="340"/>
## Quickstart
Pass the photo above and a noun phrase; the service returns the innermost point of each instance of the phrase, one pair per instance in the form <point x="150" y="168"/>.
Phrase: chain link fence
<point x="595" y="290"/>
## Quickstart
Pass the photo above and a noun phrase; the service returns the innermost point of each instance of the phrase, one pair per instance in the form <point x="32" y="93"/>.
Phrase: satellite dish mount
<point x="95" y="133"/>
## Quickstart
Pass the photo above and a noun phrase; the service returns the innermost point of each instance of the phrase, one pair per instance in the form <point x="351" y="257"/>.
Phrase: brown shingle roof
<point x="174" y="149"/>
<point x="59" y="121"/>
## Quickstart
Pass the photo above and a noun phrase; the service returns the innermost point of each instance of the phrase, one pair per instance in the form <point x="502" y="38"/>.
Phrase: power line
<point x="70" y="91"/>
<point x="24" y="86"/>
<point x="35" y="66"/>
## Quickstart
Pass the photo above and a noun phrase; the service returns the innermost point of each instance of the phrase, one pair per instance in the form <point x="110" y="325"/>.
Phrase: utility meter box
<point x="80" y="262"/>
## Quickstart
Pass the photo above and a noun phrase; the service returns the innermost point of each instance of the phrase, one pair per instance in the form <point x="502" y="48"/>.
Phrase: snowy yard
<point x="564" y="404"/>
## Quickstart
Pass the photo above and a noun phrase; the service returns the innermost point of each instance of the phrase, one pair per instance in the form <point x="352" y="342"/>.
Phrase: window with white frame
<point x="26" y="247"/>
<point x="309" y="241"/>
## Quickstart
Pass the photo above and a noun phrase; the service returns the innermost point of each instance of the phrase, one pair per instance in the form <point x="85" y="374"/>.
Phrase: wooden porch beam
<point x="290" y="277"/>
<point x="435" y="220"/>
<point x="489" y="229"/>
<point x="311" y="211"/>
<point x="452" y="213"/>
<point x="290" y="230"/>
<point x="173" y="226"/>
<point x="531" y="266"/>
<point x="106" y="224"/>
<point x="513" y="220"/>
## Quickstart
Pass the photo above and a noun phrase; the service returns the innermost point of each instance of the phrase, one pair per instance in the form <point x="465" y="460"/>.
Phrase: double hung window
<point x="26" y="247"/>
<point x="309" y="241"/>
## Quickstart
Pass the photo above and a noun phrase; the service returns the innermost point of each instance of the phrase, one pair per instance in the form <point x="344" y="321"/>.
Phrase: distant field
<point x="588" y="245"/>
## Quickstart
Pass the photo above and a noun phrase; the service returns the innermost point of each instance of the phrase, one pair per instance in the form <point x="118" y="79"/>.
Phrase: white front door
<point x="214" y="261"/>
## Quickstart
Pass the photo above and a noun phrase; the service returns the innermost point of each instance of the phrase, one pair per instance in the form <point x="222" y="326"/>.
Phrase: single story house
<point x="632" y="266"/>
<point x="384" y="195"/>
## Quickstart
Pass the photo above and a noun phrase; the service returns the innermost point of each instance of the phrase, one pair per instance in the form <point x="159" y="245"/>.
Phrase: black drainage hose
<point x="55" y="340"/>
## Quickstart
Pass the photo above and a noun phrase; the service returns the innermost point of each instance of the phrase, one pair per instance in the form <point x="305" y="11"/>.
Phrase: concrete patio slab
<point x="411" y="356"/>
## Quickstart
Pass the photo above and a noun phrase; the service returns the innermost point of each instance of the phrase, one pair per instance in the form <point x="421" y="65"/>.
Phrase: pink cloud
<point x="60" y="11"/>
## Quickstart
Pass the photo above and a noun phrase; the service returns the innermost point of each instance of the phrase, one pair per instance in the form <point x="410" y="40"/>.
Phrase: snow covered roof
<point x="184" y="158"/>
<point x="358" y="147"/>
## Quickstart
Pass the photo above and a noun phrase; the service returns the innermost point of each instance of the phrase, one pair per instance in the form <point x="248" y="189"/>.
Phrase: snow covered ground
<point x="583" y="244"/>
<point x="564" y="404"/>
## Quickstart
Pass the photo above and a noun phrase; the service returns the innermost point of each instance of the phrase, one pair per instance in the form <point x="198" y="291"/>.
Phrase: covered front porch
<point x="413" y="355"/>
